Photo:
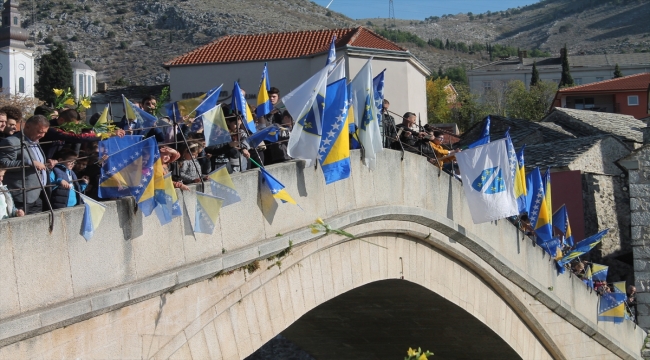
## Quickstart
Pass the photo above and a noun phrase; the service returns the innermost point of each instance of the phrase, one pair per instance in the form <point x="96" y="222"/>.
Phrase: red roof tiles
<point x="626" y="83"/>
<point x="270" y="46"/>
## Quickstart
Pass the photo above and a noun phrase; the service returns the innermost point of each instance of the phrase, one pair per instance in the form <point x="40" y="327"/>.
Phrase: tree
<point x="566" y="79"/>
<point x="617" y="72"/>
<point x="468" y="109"/>
<point x="438" y="107"/>
<point x="530" y="104"/>
<point x="534" y="80"/>
<point x="54" y="72"/>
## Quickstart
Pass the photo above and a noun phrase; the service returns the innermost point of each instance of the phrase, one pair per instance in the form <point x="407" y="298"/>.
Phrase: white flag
<point x="488" y="182"/>
<point x="362" y="96"/>
<point x="306" y="104"/>
<point x="337" y="72"/>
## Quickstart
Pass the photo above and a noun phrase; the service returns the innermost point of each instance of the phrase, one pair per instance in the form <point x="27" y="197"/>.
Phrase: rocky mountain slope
<point x="126" y="41"/>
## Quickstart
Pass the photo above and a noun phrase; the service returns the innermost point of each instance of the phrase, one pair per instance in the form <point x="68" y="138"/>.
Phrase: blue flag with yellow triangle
<point x="180" y="109"/>
<point x="583" y="247"/>
<point x="561" y="222"/>
<point x="93" y="214"/>
<point x="276" y="187"/>
<point x="599" y="272"/>
<point x="114" y="144"/>
<point x="521" y="191"/>
<point x="485" y="135"/>
<point x="239" y="103"/>
<point x="264" y="105"/>
<point x="222" y="186"/>
<point x="269" y="134"/>
<point x="215" y="129"/>
<point x="540" y="215"/>
<point x="207" y="213"/>
<point x="334" y="151"/>
<point x="130" y="171"/>
<point x="142" y="118"/>
<point x="611" y="305"/>
<point x="148" y="201"/>
<point x="167" y="206"/>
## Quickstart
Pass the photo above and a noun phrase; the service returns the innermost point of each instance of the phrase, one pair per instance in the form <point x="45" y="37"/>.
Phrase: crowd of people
<point x="44" y="166"/>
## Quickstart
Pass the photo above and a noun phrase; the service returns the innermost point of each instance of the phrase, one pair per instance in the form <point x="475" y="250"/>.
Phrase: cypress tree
<point x="54" y="72"/>
<point x="440" y="73"/>
<point x="534" y="80"/>
<point x="617" y="72"/>
<point x="566" y="79"/>
<point x="447" y="45"/>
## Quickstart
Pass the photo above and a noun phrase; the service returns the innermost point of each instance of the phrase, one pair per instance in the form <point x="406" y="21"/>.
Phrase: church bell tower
<point x="16" y="60"/>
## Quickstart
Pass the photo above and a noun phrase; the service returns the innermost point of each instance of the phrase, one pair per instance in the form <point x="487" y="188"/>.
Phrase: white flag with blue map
<point x="487" y="179"/>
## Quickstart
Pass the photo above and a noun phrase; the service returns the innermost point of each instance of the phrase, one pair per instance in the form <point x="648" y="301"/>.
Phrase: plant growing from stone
<point x="417" y="355"/>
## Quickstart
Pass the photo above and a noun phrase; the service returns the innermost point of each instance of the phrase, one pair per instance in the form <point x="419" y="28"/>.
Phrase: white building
<point x="83" y="78"/>
<point x="16" y="61"/>
<point x="292" y="58"/>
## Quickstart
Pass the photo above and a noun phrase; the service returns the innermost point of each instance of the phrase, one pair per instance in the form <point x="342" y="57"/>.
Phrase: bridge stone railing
<point x="52" y="280"/>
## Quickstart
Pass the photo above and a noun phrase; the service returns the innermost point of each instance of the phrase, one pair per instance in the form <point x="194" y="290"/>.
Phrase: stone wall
<point x="638" y="165"/>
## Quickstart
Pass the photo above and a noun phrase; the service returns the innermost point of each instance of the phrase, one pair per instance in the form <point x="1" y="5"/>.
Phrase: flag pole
<point x="248" y="134"/>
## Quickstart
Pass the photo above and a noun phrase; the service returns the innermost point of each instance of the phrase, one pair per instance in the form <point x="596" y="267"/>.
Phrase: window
<point x="81" y="85"/>
<point x="487" y="85"/>
<point x="89" y="89"/>
<point x="599" y="78"/>
<point x="1" y="84"/>
<point x="21" y="85"/>
<point x="577" y="81"/>
<point x="583" y="104"/>
<point x="15" y="20"/>
<point x="633" y="100"/>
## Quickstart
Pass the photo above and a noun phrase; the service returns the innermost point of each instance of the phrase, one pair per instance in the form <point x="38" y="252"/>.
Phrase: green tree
<point x="468" y="109"/>
<point x="438" y="98"/>
<point x="54" y="72"/>
<point x="566" y="79"/>
<point x="617" y="72"/>
<point x="530" y="104"/>
<point x="534" y="79"/>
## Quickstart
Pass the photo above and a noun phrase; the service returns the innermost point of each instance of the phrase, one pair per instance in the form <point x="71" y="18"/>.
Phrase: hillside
<point x="589" y="27"/>
<point x="127" y="41"/>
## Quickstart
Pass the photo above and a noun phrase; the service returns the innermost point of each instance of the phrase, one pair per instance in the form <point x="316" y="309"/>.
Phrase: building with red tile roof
<point x="625" y="95"/>
<point x="292" y="57"/>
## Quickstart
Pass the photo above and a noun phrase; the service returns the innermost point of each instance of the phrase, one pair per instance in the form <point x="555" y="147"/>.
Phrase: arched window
<point x="81" y="85"/>
<point x="21" y="85"/>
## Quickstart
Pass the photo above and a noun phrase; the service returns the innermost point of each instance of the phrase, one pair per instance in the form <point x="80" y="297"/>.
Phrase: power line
<point x="391" y="11"/>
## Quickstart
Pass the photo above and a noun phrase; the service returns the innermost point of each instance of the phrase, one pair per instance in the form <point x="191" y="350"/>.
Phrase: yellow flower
<point x="320" y="221"/>
<point x="70" y="101"/>
<point x="411" y="352"/>
<point x="85" y="103"/>
<point x="422" y="357"/>
<point x="314" y="231"/>
<point x="58" y="92"/>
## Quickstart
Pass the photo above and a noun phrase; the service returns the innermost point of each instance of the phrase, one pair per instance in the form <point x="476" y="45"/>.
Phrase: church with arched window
<point x="16" y="60"/>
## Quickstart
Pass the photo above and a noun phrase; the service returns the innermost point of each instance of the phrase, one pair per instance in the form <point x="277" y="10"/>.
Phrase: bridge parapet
<point x="53" y="280"/>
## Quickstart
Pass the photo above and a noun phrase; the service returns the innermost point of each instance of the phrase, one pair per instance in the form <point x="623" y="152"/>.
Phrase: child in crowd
<point x="168" y="156"/>
<point x="7" y="208"/>
<point x="67" y="187"/>
<point x="190" y="170"/>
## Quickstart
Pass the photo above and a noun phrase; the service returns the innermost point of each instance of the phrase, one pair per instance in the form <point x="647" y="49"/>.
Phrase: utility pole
<point x="391" y="12"/>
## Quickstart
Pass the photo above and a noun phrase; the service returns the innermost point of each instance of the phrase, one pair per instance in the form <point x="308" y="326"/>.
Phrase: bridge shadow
<point x="381" y="320"/>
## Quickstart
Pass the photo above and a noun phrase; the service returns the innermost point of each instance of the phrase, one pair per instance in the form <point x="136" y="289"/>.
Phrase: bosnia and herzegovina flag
<point x="378" y="86"/>
<point x="264" y="105"/>
<point x="540" y="214"/>
<point x="306" y="103"/>
<point x="269" y="133"/>
<point x="334" y="151"/>
<point x="93" y="214"/>
<point x="114" y="144"/>
<point x="215" y="129"/>
<point x="561" y="222"/>
<point x="167" y="206"/>
<point x="148" y="201"/>
<point x="485" y="135"/>
<point x="132" y="171"/>
<point x="207" y="213"/>
<point x="331" y="56"/>
<point x="362" y="96"/>
<point x="599" y="272"/>
<point x="239" y="103"/>
<point x="612" y="304"/>
<point x="222" y="186"/>
<point x="177" y="110"/>
<point x="588" y="277"/>
<point x="141" y="117"/>
<point x="520" y="182"/>
<point x="208" y="103"/>
<point x="582" y="247"/>
<point x="276" y="188"/>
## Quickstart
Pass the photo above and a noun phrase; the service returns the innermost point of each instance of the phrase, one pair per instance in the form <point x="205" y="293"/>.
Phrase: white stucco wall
<point x="17" y="64"/>
<point x="405" y="85"/>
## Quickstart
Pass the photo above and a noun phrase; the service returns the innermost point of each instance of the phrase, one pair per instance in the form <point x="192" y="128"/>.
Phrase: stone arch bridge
<point x="419" y="273"/>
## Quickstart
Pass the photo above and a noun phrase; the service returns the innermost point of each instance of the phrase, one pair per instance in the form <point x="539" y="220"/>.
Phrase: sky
<point x="418" y="9"/>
